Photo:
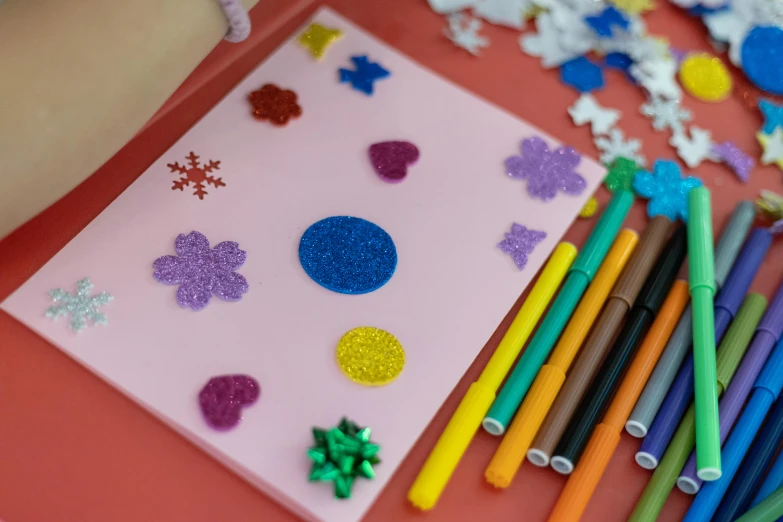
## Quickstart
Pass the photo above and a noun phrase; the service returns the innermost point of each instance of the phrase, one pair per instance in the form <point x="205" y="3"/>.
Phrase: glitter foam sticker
<point x="272" y="103"/>
<point x="735" y="158"/>
<point x="370" y="356"/>
<point x="666" y="189"/>
<point x="582" y="74"/>
<point x="223" y="398"/>
<point x="348" y="255"/>
<point x="196" y="175"/>
<point x="589" y="209"/>
<point x="705" y="77"/>
<point x="546" y="171"/>
<point x="202" y="271"/>
<point x="520" y="242"/>
<point x="364" y="75"/>
<point x="81" y="306"/>
<point x="317" y="39"/>
<point x="762" y="58"/>
<point x="391" y="159"/>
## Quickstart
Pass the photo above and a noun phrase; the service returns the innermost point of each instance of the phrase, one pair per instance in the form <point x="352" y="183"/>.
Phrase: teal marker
<point x="701" y="267"/>
<point x="579" y="277"/>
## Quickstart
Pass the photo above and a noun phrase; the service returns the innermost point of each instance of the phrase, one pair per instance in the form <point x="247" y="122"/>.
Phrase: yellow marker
<point x="467" y="418"/>
<point x="542" y="394"/>
<point x="705" y="77"/>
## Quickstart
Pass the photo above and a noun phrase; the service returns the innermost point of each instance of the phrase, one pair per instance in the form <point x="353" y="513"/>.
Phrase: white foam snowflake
<point x="463" y="32"/>
<point x="546" y="43"/>
<point x="694" y="149"/>
<point x="666" y="114"/>
<point x="81" y="306"/>
<point x="510" y="13"/>
<point x="450" y="6"/>
<point x="658" y="77"/>
<point x="587" y="110"/>
<point x="616" y="146"/>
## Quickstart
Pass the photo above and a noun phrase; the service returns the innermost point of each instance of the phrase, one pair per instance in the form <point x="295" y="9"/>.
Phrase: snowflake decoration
<point x="666" y="190"/>
<point x="546" y="43"/>
<point x="509" y="13"/>
<point x="658" y="77"/>
<point x="695" y="149"/>
<point x="202" y="271"/>
<point x="81" y="306"/>
<point x="546" y="171"/>
<point x="196" y="175"/>
<point x="364" y="75"/>
<point x="773" y="147"/>
<point x="621" y="174"/>
<point x="666" y="114"/>
<point x="773" y="116"/>
<point x="520" y="242"/>
<point x="463" y="32"/>
<point x="733" y="25"/>
<point x="587" y="110"/>
<point x="616" y="146"/>
<point x="450" y="6"/>
<point x="735" y="158"/>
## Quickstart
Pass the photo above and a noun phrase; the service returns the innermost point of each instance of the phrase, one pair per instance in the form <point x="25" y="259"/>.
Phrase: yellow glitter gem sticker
<point x="318" y="38"/>
<point x="705" y="77"/>
<point x="370" y="356"/>
<point x="589" y="209"/>
<point x="633" y="6"/>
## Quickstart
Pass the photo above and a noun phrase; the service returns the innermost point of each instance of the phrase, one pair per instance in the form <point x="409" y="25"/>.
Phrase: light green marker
<point x="732" y="348"/>
<point x="579" y="276"/>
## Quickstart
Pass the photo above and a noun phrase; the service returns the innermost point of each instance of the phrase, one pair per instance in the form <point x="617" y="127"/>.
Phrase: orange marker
<point x="583" y="481"/>
<point x="512" y="450"/>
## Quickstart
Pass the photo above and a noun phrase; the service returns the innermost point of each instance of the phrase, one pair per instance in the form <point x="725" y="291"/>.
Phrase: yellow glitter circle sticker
<point x="705" y="77"/>
<point x="589" y="209"/>
<point x="370" y="356"/>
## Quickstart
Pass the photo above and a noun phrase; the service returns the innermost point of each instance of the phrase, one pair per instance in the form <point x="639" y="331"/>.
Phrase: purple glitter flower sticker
<point x="202" y="271"/>
<point x="777" y="228"/>
<point x="223" y="398"/>
<point x="520" y="242"/>
<point x="546" y="171"/>
<point x="733" y="156"/>
<point x="391" y="159"/>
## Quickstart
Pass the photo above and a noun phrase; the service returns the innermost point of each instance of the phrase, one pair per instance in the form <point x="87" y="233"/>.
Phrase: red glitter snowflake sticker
<point x="196" y="175"/>
<point x="272" y="103"/>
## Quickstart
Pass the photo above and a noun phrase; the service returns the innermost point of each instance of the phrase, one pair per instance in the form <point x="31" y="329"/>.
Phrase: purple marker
<point x="766" y="337"/>
<point x="726" y="305"/>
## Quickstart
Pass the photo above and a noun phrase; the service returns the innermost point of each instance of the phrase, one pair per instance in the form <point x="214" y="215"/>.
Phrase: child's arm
<point x="78" y="78"/>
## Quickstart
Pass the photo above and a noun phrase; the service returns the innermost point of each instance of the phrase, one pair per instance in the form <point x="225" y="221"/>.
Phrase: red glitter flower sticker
<point x="197" y="175"/>
<point x="272" y="103"/>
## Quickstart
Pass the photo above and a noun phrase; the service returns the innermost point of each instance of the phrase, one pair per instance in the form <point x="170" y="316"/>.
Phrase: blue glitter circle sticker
<point x="762" y="58"/>
<point x="348" y="255"/>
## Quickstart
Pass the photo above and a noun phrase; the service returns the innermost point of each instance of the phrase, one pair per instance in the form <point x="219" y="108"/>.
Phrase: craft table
<point x="74" y="449"/>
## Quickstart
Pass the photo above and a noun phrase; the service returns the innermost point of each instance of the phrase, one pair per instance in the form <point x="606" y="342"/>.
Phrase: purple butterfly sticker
<point x="546" y="171"/>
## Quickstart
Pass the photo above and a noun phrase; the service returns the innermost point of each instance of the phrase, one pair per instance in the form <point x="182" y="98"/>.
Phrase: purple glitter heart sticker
<point x="223" y="398"/>
<point x="391" y="159"/>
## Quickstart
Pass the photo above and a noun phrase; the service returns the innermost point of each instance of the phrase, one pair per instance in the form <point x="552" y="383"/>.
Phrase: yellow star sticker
<point x="634" y="6"/>
<point x="317" y="38"/>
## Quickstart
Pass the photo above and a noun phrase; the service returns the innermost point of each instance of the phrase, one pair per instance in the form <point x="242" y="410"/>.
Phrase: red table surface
<point x="74" y="449"/>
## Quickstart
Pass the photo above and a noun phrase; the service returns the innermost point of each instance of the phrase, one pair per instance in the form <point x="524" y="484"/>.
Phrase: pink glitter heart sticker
<point x="391" y="159"/>
<point x="223" y="398"/>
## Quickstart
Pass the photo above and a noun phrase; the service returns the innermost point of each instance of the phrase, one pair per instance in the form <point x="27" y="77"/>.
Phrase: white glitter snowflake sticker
<point x="463" y="32"/>
<point x="694" y="149"/>
<point x="80" y="306"/>
<point x="666" y="114"/>
<point x="587" y="110"/>
<point x="616" y="146"/>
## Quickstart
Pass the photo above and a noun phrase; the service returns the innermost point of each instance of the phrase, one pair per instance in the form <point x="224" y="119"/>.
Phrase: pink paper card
<point x="451" y="288"/>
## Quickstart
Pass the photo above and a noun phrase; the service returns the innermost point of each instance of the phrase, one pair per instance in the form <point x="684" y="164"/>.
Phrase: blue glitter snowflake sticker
<point x="81" y="306"/>
<point x="365" y="75"/>
<point x="582" y="74"/>
<point x="773" y="116"/>
<point x="348" y="255"/>
<point x="666" y="189"/>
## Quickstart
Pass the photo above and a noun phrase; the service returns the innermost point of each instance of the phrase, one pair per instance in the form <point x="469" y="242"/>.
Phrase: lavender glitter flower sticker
<point x="520" y="242"/>
<point x="546" y="171"/>
<point x="201" y="271"/>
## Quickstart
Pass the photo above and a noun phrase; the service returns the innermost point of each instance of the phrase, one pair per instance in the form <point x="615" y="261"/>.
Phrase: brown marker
<point x="597" y="345"/>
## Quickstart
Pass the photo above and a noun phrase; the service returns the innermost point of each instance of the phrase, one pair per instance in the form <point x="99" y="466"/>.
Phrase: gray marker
<point x="679" y="344"/>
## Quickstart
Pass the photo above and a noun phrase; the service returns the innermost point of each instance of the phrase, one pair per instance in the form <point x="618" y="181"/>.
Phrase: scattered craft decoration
<point x="582" y="74"/>
<point x="81" y="306"/>
<point x="348" y="255"/>
<point x="590" y="208"/>
<point x="520" y="242"/>
<point x="735" y="158"/>
<point x="666" y="189"/>
<point x="694" y="149"/>
<point x="773" y="147"/>
<point x="761" y="58"/>
<point x="202" y="271"/>
<point x="274" y="104"/>
<point x="605" y="23"/>
<point x="773" y="116"/>
<point x="197" y="175"/>
<point x="587" y="110"/>
<point x="365" y="74"/>
<point x="705" y="77"/>
<point x="392" y="158"/>
<point x="317" y="39"/>
<point x="370" y="356"/>
<point x="223" y="398"/>
<point x="666" y="114"/>
<point x="621" y="174"/>
<point x="341" y="455"/>
<point x="614" y="146"/>
<point x="546" y="171"/>
<point x="463" y="32"/>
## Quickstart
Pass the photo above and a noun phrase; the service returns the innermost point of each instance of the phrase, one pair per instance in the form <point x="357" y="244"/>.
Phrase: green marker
<point x="732" y="348"/>
<point x="702" y="285"/>
<point x="579" y="276"/>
